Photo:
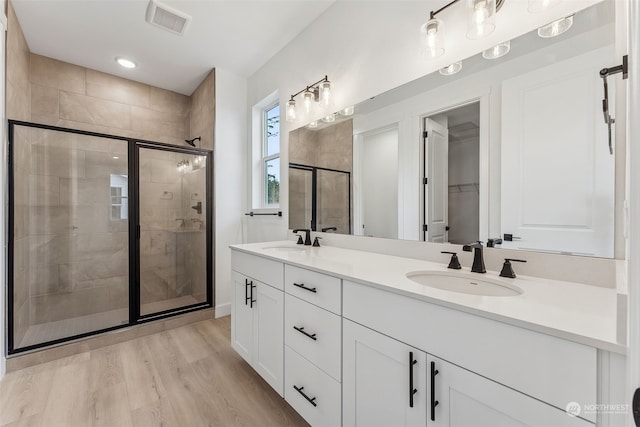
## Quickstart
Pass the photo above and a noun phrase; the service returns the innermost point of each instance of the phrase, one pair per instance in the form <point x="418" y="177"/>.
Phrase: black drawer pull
<point x="252" y="300"/>
<point x="247" y="298"/>
<point x="301" y="330"/>
<point x="434" y="402"/>
<point x="309" y="399"/>
<point x="302" y="286"/>
<point x="412" y="390"/>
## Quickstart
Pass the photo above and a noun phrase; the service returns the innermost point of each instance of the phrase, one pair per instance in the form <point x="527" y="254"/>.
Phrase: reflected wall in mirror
<point x="509" y="146"/>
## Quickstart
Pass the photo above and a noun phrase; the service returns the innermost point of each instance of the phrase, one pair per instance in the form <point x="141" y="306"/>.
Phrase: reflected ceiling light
<point x="329" y="118"/>
<point x="452" y="69"/>
<point x="481" y="21"/>
<point x="497" y="51"/>
<point x="115" y="157"/>
<point x="536" y="6"/>
<point x="126" y="63"/>
<point x="346" y="111"/>
<point x="313" y="124"/>
<point x="481" y="18"/>
<point x="313" y="94"/>
<point x="556" y="28"/>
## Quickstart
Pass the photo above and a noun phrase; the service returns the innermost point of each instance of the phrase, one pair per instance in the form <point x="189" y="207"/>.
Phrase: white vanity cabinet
<point x="257" y="316"/>
<point x="313" y="345"/>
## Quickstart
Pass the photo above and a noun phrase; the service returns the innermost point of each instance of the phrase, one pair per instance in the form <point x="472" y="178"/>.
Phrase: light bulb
<point x="451" y="69"/>
<point x="536" y="6"/>
<point x="432" y="32"/>
<point x="497" y="51"/>
<point x="325" y="92"/>
<point x="556" y="28"/>
<point x="481" y="18"/>
<point x="291" y="110"/>
<point x="307" y="100"/>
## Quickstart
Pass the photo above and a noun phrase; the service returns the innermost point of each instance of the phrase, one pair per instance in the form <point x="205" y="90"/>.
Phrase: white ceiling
<point x="236" y="35"/>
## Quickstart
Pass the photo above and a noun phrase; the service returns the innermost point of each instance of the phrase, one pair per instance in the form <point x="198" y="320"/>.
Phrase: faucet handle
<point x="507" y="269"/>
<point x="300" y="241"/>
<point x="316" y="243"/>
<point x="455" y="262"/>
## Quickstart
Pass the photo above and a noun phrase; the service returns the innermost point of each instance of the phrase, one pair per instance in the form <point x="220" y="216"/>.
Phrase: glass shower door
<point x="173" y="229"/>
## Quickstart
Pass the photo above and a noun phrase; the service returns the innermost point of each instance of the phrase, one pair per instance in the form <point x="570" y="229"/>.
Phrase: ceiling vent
<point x="167" y="18"/>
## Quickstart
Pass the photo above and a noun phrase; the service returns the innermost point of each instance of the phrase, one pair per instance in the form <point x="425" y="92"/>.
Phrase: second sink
<point x="474" y="284"/>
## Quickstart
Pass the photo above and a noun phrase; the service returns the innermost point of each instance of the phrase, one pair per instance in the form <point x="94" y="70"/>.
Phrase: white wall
<point x="230" y="175"/>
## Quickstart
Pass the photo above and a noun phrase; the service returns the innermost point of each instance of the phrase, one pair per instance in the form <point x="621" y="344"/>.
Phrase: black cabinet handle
<point x="302" y="286"/>
<point x="412" y="390"/>
<point x="247" y="298"/>
<point x="302" y="331"/>
<point x="251" y="296"/>
<point x="434" y="402"/>
<point x="311" y="400"/>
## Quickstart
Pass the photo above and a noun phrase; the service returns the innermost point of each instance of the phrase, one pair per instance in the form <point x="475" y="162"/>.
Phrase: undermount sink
<point x="467" y="283"/>
<point x="286" y="248"/>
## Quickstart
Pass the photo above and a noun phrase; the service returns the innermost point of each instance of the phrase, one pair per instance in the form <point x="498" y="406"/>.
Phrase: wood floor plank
<point x="189" y="376"/>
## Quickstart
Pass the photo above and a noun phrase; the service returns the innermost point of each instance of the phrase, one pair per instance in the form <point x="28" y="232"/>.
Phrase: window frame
<point x="258" y="158"/>
<point x="268" y="157"/>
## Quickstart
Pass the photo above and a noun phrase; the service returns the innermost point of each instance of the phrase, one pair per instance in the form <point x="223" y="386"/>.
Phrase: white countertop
<point x="573" y="311"/>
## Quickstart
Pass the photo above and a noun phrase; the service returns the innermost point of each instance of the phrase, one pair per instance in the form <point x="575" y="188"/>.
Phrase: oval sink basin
<point x="471" y="283"/>
<point x="286" y="248"/>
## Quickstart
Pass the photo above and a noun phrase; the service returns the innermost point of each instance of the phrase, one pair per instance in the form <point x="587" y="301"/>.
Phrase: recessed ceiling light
<point x="126" y="63"/>
<point x="556" y="28"/>
<point x="497" y="51"/>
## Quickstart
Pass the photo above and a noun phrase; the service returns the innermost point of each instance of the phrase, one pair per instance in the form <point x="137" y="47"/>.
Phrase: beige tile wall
<point x="203" y="107"/>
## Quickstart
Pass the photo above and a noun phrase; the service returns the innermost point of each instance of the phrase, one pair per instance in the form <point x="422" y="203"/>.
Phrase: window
<point x="271" y="156"/>
<point x="119" y="197"/>
<point x="265" y="149"/>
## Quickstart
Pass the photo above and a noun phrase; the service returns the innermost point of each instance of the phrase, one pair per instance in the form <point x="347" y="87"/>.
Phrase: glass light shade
<point x="307" y="100"/>
<point x="481" y="18"/>
<point x="497" y="51"/>
<point x="556" y="28"/>
<point x="291" y="110"/>
<point x="536" y="6"/>
<point x="452" y="69"/>
<point x="347" y="111"/>
<point x="325" y="92"/>
<point x="330" y="118"/>
<point x="313" y="124"/>
<point x="432" y="33"/>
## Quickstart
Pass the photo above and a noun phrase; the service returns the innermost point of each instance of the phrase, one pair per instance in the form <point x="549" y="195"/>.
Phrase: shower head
<point x="191" y="142"/>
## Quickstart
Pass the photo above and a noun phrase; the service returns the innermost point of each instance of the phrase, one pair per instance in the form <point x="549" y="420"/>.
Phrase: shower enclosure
<point x="104" y="232"/>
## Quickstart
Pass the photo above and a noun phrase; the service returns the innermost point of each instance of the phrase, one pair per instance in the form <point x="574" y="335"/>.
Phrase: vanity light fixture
<point x="318" y="92"/>
<point x="497" y="51"/>
<point x="481" y="21"/>
<point x="556" y="28"/>
<point x="452" y="69"/>
<point x="126" y="63"/>
<point x="183" y="166"/>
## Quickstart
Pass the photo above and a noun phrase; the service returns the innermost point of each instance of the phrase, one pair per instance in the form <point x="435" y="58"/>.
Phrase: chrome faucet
<point x="478" y="257"/>
<point x="307" y="239"/>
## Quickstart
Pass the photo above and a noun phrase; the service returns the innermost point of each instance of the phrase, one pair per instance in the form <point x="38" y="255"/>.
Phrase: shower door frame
<point x="133" y="146"/>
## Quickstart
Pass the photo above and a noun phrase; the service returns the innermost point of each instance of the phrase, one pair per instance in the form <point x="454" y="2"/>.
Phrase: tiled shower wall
<point x="48" y="91"/>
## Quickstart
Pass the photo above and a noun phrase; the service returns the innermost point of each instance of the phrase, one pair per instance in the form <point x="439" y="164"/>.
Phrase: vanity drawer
<point x="316" y="288"/>
<point x="322" y="406"/>
<point x="262" y="269"/>
<point x="323" y="346"/>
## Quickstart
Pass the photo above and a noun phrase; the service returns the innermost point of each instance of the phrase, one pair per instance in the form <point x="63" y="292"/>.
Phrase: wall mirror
<point x="514" y="147"/>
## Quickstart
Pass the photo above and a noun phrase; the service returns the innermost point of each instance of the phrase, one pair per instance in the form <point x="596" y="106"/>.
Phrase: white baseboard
<point x="223" y="310"/>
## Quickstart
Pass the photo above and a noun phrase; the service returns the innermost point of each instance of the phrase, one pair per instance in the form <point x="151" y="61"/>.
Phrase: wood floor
<point x="187" y="376"/>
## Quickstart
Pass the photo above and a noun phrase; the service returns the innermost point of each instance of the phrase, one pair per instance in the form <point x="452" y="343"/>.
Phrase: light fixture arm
<point x="433" y="14"/>
<point x="314" y="86"/>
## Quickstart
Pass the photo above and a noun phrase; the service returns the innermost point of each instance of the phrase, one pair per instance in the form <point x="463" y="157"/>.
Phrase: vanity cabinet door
<point x="460" y="398"/>
<point x="379" y="374"/>
<point x="257" y="319"/>
<point x="241" y="316"/>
